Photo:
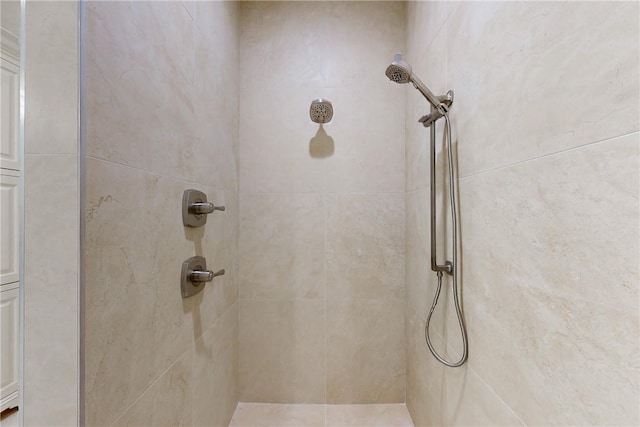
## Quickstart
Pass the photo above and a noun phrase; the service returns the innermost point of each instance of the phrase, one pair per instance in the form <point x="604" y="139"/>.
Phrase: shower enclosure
<point x="325" y="237"/>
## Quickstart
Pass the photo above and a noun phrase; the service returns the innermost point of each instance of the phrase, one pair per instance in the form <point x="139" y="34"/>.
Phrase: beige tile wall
<point x="546" y="131"/>
<point x="161" y="116"/>
<point x="51" y="322"/>
<point x="321" y="208"/>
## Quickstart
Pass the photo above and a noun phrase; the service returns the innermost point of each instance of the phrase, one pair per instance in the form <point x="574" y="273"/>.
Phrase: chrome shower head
<point x="321" y="111"/>
<point x="399" y="71"/>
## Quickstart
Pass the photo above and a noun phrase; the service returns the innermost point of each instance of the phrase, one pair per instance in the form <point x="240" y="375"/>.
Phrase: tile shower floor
<point x="287" y="415"/>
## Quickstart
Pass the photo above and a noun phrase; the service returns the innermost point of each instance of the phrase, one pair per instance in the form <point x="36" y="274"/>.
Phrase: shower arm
<point x="440" y="103"/>
<point x="448" y="265"/>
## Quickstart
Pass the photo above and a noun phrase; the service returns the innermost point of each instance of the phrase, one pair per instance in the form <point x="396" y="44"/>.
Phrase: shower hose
<point x="454" y="270"/>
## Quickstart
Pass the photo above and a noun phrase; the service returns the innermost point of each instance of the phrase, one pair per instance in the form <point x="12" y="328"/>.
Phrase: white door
<point x="10" y="110"/>
<point x="9" y="228"/>
<point x="9" y="311"/>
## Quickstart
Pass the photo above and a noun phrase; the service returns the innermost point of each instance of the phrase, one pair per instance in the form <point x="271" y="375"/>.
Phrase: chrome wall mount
<point x="195" y="275"/>
<point x="195" y="208"/>
<point x="436" y="113"/>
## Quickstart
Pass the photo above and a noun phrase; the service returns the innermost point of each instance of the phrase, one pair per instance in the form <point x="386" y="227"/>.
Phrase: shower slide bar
<point x="429" y="121"/>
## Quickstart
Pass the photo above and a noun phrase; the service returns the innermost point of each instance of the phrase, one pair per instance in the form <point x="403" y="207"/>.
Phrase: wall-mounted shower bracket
<point x="195" y="208"/>
<point x="195" y="275"/>
<point x="447" y="267"/>
<point x="438" y="111"/>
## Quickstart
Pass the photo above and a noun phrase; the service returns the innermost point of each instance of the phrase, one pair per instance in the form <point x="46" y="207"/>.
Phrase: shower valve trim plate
<point x="195" y="208"/>
<point x="195" y="275"/>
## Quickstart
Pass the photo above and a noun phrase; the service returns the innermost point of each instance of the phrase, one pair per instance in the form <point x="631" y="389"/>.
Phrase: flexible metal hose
<point x="455" y="267"/>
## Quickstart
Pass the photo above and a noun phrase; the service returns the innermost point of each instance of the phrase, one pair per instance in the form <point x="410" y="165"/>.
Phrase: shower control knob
<point x="205" y="276"/>
<point x="194" y="275"/>
<point x="195" y="208"/>
<point x="201" y="276"/>
<point x="204" y="208"/>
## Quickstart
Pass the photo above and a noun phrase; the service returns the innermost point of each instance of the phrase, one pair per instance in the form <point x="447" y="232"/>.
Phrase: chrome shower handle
<point x="199" y="276"/>
<point x="194" y="274"/>
<point x="204" y="208"/>
<point x="204" y="275"/>
<point x="195" y="208"/>
<point x="219" y="273"/>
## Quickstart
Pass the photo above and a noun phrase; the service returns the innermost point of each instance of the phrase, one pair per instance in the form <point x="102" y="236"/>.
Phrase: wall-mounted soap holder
<point x="195" y="208"/>
<point x="195" y="275"/>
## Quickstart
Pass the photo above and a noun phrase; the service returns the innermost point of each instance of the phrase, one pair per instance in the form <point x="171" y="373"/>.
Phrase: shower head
<point x="321" y="111"/>
<point x="399" y="71"/>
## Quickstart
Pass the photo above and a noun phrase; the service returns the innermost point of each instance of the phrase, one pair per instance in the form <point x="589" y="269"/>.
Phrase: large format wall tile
<point x="167" y="401"/>
<point x="365" y="246"/>
<point x="51" y="290"/>
<point x="418" y="251"/>
<point x="552" y="302"/>
<point x="276" y="133"/>
<point x="425" y="375"/>
<point x="282" y="356"/>
<point x="437" y="395"/>
<point x="133" y="305"/>
<point x="365" y="351"/>
<point x="336" y="44"/>
<point x="282" y="59"/>
<point x="282" y="246"/>
<point x="215" y="93"/>
<point x="470" y="402"/>
<point x="425" y="20"/>
<point x="51" y="110"/>
<point x="50" y="384"/>
<point x="537" y="78"/>
<point x="134" y="309"/>
<point x="140" y="109"/>
<point x="215" y="393"/>
<point x="162" y="116"/>
<point x="368" y="139"/>
<point x="530" y="80"/>
<point x="360" y="150"/>
<point x="322" y="207"/>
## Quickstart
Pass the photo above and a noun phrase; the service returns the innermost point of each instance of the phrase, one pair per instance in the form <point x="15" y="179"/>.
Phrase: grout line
<point x="497" y="395"/>
<point x="137" y="399"/>
<point x="292" y="87"/>
<point x="190" y="347"/>
<point x="544" y="156"/>
<point x="326" y="416"/>
<point x="192" y="376"/>
<point x="49" y="154"/>
<point x="341" y="298"/>
<point x="326" y="296"/>
<point x="435" y="36"/>
<point x="127" y="166"/>
<point x="469" y="367"/>
<point x="176" y="178"/>
<point x="352" y="193"/>
<point x="184" y="6"/>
